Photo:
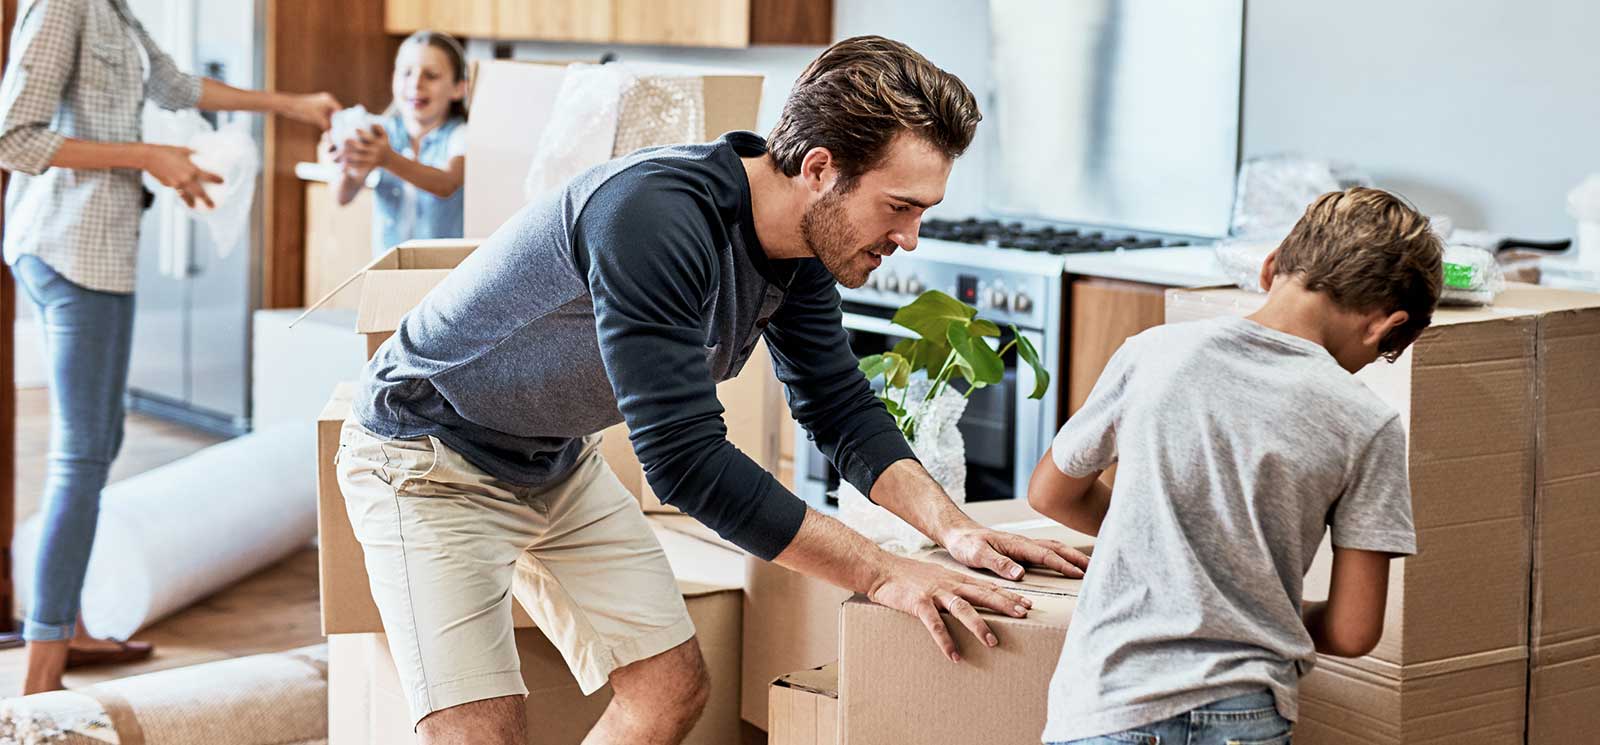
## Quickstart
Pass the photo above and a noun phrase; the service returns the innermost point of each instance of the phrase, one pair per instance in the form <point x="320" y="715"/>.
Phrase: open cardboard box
<point x="804" y="708"/>
<point x="1500" y="406"/>
<point x="895" y="685"/>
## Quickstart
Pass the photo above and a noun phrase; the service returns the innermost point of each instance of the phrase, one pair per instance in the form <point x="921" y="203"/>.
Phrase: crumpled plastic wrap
<point x="942" y="451"/>
<point x="603" y="111"/>
<point x="1583" y="203"/>
<point x="1241" y="260"/>
<point x="1274" y="191"/>
<point x="229" y="152"/>
<point x="1471" y="276"/>
<point x="347" y="122"/>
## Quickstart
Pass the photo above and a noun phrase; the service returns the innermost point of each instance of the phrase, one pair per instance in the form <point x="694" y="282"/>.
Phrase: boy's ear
<point x="1379" y="326"/>
<point x="1269" y="269"/>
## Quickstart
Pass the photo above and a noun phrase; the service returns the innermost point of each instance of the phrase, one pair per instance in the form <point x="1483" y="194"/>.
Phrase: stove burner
<point x="1047" y="239"/>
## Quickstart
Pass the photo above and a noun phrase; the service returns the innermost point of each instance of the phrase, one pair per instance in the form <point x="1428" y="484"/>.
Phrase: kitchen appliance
<point x="1012" y="273"/>
<point x="191" y="339"/>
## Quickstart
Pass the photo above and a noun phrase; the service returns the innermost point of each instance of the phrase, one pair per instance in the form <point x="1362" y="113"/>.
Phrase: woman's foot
<point x="46" y="662"/>
<point x="85" y="650"/>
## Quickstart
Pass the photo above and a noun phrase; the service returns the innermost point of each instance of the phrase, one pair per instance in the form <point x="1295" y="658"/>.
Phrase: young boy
<point x="1239" y="440"/>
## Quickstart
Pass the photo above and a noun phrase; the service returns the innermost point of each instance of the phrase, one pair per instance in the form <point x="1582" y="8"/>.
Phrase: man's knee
<point x="494" y="720"/>
<point x="673" y="686"/>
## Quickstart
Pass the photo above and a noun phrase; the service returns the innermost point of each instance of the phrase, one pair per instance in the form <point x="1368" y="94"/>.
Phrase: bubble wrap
<point x="940" y="447"/>
<point x="603" y="111"/>
<point x="347" y="121"/>
<point x="1275" y="190"/>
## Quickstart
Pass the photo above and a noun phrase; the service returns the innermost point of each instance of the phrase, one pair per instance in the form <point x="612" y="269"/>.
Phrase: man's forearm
<point x="826" y="549"/>
<point x="906" y="489"/>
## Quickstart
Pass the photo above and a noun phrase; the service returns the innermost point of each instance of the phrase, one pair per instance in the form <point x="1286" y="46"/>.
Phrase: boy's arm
<point x="1078" y="502"/>
<point x="1371" y="524"/>
<point x="1351" y="621"/>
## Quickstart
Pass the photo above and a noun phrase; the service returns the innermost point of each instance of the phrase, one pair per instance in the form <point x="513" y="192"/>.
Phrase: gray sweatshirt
<point x="628" y="296"/>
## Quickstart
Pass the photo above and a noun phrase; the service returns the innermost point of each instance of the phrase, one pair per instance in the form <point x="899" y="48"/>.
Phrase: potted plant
<point x="915" y="383"/>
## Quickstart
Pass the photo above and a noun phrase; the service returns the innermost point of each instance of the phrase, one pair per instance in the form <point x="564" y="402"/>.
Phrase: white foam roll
<point x="175" y="534"/>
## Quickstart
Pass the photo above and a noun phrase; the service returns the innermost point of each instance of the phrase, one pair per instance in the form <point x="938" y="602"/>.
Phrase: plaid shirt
<point x="75" y="72"/>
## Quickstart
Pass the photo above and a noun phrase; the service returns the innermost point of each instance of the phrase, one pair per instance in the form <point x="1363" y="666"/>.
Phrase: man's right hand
<point x="923" y="590"/>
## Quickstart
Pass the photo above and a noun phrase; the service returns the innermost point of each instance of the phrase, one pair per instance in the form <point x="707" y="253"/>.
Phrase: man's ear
<point x="1269" y="269"/>
<point x="818" y="171"/>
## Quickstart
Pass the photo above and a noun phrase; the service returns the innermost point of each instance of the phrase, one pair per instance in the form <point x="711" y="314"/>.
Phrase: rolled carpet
<point x="267" y="699"/>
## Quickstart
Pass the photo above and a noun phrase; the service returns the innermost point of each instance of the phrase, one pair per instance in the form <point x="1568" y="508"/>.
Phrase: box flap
<point x="701" y="568"/>
<point x="823" y="681"/>
<point x="387" y="295"/>
<point x="438" y="253"/>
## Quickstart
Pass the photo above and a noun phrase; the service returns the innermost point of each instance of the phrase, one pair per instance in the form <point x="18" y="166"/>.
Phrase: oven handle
<point x="858" y="322"/>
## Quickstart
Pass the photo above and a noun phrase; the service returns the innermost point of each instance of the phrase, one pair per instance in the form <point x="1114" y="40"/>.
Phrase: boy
<point x="1239" y="441"/>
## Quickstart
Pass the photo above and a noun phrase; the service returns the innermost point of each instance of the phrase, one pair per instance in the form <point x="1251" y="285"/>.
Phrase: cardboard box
<point x="1467" y="700"/>
<point x="895" y="685"/>
<point x="392" y="284"/>
<point x="512" y="102"/>
<point x="1564" y="696"/>
<point x="804" y="708"/>
<point x="366" y="706"/>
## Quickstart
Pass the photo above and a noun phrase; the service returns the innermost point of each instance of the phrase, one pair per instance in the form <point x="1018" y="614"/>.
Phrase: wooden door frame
<point x="8" y="385"/>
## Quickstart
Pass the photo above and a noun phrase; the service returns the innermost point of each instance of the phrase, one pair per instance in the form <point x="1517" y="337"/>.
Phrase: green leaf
<point x="899" y="370"/>
<point x="894" y="409"/>
<point x="1025" y="350"/>
<point x="978" y="362"/>
<point x="873" y="365"/>
<point x="983" y="327"/>
<point x="932" y="313"/>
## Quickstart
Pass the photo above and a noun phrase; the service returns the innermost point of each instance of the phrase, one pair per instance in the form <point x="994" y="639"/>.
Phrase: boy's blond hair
<point x="1368" y="250"/>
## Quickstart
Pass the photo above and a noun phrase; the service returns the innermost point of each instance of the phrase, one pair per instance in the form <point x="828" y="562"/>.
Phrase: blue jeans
<point x="1250" y="719"/>
<point x="88" y="337"/>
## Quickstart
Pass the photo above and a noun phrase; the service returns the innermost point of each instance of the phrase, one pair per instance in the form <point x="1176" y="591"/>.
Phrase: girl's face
<point x="425" y="84"/>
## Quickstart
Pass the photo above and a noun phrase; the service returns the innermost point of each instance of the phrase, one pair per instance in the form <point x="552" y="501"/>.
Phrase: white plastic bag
<point x="229" y="152"/>
<point x="941" y="450"/>
<point x="347" y="122"/>
<point x="1471" y="276"/>
<point x="1274" y="191"/>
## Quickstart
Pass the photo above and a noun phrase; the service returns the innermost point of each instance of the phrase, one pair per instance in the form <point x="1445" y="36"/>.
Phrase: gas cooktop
<point x="1048" y="239"/>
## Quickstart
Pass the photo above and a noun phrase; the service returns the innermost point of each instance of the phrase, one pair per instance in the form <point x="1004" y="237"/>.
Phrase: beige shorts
<point x="448" y="546"/>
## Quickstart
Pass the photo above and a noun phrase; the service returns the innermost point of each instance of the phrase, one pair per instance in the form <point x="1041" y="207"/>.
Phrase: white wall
<point x="1485" y="110"/>
<point x="954" y="34"/>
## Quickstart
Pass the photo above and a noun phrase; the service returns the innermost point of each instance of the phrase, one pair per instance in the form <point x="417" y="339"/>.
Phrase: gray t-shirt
<point x="1237" y="446"/>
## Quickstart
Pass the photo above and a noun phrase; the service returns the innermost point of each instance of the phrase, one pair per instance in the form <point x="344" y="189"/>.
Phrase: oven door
<point x="994" y="427"/>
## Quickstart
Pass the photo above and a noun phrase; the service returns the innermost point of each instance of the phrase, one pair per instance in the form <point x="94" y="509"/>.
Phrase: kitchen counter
<point x="1183" y="266"/>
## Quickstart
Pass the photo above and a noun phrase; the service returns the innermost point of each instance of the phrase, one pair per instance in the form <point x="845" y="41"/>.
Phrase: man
<point x="470" y="468"/>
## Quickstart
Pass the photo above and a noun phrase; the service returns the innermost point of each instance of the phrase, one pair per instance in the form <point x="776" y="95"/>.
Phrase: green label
<point x="1459" y="276"/>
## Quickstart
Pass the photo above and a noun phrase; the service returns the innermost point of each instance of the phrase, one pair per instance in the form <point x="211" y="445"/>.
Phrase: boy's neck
<point x="1310" y="315"/>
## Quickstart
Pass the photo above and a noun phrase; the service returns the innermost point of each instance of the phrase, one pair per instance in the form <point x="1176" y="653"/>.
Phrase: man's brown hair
<point x="859" y="94"/>
<point x="1368" y="250"/>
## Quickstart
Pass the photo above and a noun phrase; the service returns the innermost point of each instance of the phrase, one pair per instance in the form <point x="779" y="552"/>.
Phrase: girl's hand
<point x="369" y="149"/>
<point x="173" y="168"/>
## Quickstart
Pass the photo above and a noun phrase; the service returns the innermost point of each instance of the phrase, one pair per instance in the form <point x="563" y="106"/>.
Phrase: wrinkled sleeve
<point x="651" y="261"/>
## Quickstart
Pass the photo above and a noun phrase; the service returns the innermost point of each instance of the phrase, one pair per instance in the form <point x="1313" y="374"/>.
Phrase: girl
<point x="70" y="102"/>
<point x="419" y="149"/>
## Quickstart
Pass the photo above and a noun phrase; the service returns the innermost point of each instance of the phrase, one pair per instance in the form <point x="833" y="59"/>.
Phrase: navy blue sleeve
<point x="827" y="393"/>
<point x="650" y="253"/>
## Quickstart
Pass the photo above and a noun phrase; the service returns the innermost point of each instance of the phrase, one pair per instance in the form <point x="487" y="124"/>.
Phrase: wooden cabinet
<point x="1105" y="313"/>
<point x="702" y="23"/>
<point x="457" y="17"/>
<point x="554" y="20"/>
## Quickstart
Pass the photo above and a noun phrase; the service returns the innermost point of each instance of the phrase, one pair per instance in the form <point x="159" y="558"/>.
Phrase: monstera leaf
<point x="979" y="363"/>
<point x="1025" y="350"/>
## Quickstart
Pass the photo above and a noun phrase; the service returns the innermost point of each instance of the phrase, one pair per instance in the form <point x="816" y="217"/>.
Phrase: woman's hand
<point x="312" y="108"/>
<point x="173" y="168"/>
<point x="369" y="149"/>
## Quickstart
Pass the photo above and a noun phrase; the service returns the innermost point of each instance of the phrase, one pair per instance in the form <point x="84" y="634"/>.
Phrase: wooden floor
<point x="272" y="610"/>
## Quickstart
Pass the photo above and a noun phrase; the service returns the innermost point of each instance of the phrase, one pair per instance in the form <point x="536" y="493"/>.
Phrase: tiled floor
<point x="272" y="610"/>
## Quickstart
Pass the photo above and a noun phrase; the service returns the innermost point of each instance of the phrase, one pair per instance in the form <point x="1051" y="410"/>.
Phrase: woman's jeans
<point x="1242" y="720"/>
<point x="88" y="337"/>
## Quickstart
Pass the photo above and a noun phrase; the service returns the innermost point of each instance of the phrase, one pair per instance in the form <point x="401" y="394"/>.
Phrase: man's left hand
<point x="1005" y="553"/>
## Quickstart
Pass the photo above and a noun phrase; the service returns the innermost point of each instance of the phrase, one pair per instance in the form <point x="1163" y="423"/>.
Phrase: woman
<point x="70" y="104"/>
<point x="420" y="147"/>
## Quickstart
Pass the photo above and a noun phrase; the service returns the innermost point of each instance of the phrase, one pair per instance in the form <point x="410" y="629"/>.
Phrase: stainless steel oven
<point x="1005" y="432"/>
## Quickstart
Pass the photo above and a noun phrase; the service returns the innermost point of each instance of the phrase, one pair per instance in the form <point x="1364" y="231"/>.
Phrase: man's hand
<point x="981" y="548"/>
<point x="923" y="590"/>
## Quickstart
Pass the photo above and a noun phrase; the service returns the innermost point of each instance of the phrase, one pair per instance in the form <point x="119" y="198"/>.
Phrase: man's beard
<point x="829" y="237"/>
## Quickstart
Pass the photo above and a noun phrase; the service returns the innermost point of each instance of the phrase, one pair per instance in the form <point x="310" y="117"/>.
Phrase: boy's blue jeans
<point x="1242" y="720"/>
<point x="88" y="338"/>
